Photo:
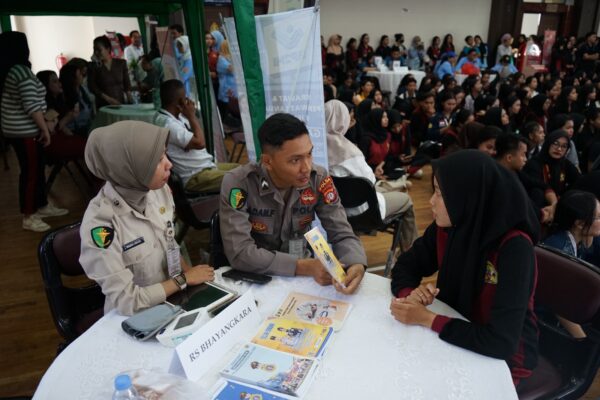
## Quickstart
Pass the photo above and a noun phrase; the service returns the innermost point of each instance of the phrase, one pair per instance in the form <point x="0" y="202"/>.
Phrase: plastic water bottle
<point x="124" y="389"/>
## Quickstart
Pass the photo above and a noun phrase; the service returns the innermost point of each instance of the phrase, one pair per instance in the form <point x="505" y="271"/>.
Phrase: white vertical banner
<point x="289" y="44"/>
<point x="236" y="58"/>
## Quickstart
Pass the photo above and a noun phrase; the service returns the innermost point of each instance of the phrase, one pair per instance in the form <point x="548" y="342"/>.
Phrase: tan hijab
<point x="337" y="121"/>
<point x="126" y="154"/>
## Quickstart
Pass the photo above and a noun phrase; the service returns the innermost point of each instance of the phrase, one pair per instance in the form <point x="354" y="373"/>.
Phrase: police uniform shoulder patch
<point x="103" y="236"/>
<point x="328" y="191"/>
<point x="237" y="198"/>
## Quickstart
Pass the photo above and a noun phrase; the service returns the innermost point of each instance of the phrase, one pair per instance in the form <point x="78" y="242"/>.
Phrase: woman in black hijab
<point x="498" y="117"/>
<point x="538" y="110"/>
<point x="483" y="251"/>
<point x="375" y="140"/>
<point x="551" y="168"/>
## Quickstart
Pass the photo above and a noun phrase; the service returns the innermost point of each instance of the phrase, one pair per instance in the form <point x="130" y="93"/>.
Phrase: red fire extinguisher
<point x="61" y="61"/>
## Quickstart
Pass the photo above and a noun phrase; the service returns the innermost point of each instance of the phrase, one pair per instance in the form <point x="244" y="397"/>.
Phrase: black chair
<point x="568" y="287"/>
<point x="358" y="193"/>
<point x="74" y="309"/>
<point x="217" y="257"/>
<point x="194" y="209"/>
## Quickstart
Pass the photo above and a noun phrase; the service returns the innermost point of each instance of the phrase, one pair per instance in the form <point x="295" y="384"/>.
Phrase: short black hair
<point x="103" y="41"/>
<point x="507" y="143"/>
<point x="279" y="128"/>
<point x="134" y="31"/>
<point x="424" y="95"/>
<point x="529" y="128"/>
<point x="177" y="27"/>
<point x="168" y="91"/>
<point x="487" y="133"/>
<point x="575" y="205"/>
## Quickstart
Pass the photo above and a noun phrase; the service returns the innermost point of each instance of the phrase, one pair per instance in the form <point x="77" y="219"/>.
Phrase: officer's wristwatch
<point x="180" y="281"/>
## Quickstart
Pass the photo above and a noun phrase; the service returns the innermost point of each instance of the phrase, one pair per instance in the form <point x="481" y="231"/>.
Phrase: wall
<point x="426" y="18"/>
<point x="73" y="36"/>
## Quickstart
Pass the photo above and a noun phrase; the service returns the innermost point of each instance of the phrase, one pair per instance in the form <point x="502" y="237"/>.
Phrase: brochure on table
<point x="293" y="336"/>
<point x="318" y="310"/>
<point x="281" y="372"/>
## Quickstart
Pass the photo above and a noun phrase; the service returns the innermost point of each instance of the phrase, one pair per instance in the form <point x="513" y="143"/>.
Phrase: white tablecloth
<point x="373" y="356"/>
<point x="389" y="80"/>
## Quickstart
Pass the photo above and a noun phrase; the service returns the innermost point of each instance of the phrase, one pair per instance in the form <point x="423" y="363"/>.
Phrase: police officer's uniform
<point x="125" y="251"/>
<point x="264" y="233"/>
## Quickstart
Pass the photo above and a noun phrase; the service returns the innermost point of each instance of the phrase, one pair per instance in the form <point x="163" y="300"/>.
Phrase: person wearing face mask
<point x="127" y="234"/>
<point x="483" y="253"/>
<point x="267" y="207"/>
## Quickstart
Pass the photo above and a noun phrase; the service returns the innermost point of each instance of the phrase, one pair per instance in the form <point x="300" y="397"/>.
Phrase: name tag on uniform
<point x="133" y="243"/>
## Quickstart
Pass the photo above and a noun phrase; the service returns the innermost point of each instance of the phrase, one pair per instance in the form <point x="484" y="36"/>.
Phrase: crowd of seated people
<point x="529" y="141"/>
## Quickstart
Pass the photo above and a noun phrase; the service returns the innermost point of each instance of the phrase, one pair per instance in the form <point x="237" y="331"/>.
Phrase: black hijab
<point x="373" y="127"/>
<point x="363" y="109"/>
<point x="482" y="209"/>
<point x="536" y="105"/>
<point x="493" y="117"/>
<point x="556" y="167"/>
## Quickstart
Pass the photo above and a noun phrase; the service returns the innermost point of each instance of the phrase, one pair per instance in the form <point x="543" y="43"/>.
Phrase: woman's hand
<point x="424" y="294"/>
<point x="44" y="138"/>
<point x="199" y="274"/>
<point x="410" y="313"/>
<point x="379" y="174"/>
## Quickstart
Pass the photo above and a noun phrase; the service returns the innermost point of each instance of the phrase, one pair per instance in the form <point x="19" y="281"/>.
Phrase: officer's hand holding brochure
<point x="315" y="238"/>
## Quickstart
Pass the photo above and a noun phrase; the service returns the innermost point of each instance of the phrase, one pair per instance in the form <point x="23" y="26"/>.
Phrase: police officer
<point x="266" y="208"/>
<point x="127" y="236"/>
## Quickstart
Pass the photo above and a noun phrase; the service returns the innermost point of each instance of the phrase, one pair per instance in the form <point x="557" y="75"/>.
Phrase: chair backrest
<point x="567" y="286"/>
<point x="570" y="288"/>
<point x="217" y="252"/>
<point x="58" y="254"/>
<point x="358" y="192"/>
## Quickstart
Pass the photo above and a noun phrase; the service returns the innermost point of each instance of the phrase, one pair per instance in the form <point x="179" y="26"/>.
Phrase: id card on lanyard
<point x="173" y="254"/>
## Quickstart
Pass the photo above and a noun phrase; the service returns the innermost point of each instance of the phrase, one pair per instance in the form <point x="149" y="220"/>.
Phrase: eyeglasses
<point x="560" y="146"/>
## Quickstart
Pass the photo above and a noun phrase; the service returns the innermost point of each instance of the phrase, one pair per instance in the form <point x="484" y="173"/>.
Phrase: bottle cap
<point x="122" y="382"/>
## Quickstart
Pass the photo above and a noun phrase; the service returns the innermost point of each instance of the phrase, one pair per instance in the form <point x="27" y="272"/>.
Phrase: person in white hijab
<point x="185" y="64"/>
<point x="127" y="233"/>
<point x="345" y="159"/>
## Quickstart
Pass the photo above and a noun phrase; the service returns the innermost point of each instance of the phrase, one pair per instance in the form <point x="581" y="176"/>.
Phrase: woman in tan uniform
<point x="127" y="234"/>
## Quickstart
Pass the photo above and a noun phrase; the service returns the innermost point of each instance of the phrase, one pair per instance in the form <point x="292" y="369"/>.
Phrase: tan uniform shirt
<point x="257" y="223"/>
<point x="125" y="251"/>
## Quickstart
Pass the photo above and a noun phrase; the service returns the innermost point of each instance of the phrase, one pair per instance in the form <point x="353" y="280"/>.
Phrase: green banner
<point x="243" y="13"/>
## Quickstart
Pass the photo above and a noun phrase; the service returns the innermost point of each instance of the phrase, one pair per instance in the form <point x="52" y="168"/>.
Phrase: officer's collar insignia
<point x="264" y="185"/>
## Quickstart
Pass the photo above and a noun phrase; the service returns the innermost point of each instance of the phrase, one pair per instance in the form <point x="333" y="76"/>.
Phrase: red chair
<point x="568" y="287"/>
